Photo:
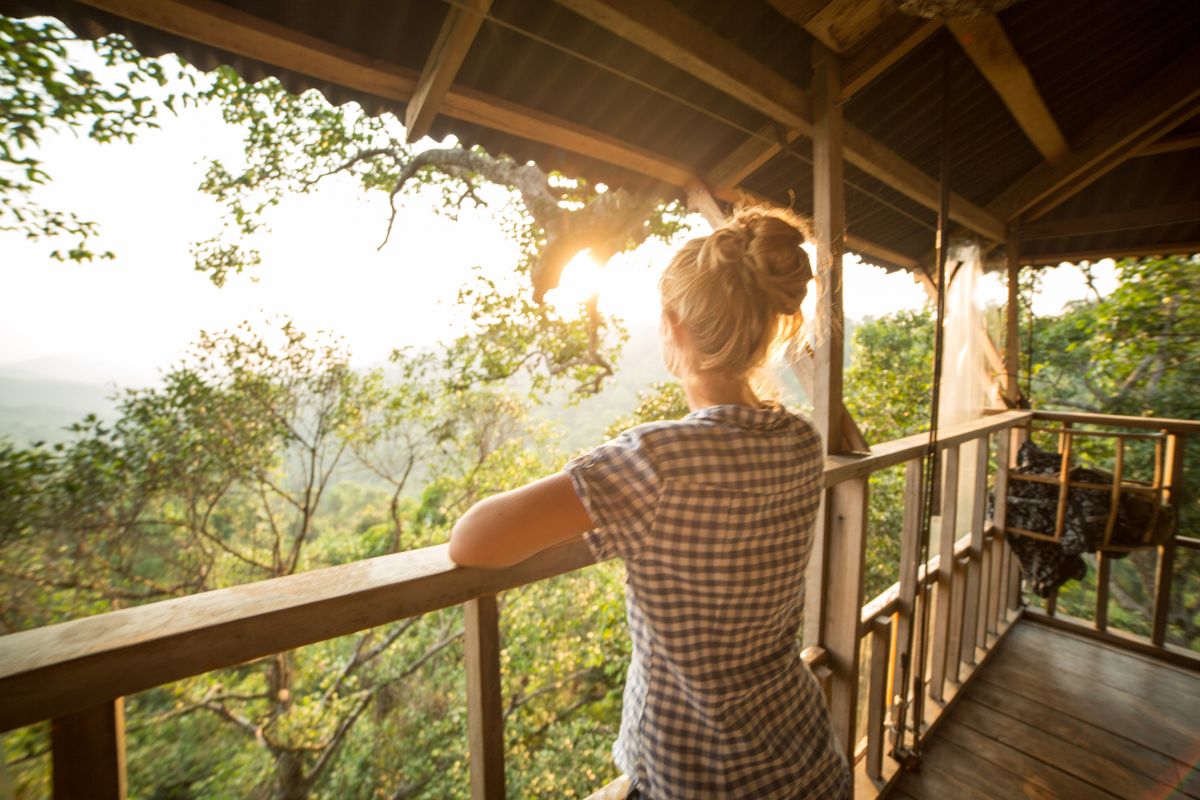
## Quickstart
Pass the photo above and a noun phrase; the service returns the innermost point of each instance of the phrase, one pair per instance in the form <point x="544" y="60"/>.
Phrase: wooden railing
<point x="75" y="673"/>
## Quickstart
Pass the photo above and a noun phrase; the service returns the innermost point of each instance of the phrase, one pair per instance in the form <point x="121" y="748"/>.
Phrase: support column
<point x="829" y="223"/>
<point x="1012" y="338"/>
<point x="88" y="753"/>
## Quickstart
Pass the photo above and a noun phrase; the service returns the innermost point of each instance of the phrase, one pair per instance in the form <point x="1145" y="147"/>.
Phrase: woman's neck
<point x="706" y="389"/>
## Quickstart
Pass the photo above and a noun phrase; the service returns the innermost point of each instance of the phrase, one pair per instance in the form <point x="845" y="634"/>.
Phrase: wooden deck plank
<point x="1037" y="775"/>
<point x="1054" y="715"/>
<point x="1063" y="754"/>
<point x="1103" y="743"/>
<point x="1107" y="665"/>
<point x="961" y="765"/>
<point x="1105" y="707"/>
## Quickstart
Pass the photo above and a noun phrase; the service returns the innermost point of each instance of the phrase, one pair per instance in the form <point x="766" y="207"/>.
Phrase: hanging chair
<point x="1057" y="511"/>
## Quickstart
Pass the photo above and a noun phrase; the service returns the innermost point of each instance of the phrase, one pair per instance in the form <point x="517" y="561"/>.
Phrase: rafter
<point x="449" y="49"/>
<point x="1114" y="221"/>
<point x="682" y="41"/>
<point x="1185" y="248"/>
<point x="1170" y="144"/>
<point x="1169" y="98"/>
<point x="842" y="24"/>
<point x="988" y="46"/>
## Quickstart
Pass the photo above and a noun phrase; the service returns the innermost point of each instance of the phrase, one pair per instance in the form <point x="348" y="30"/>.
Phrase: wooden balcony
<point x="1018" y="695"/>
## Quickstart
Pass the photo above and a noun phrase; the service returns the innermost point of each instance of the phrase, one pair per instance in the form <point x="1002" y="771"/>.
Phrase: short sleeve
<point x="619" y="486"/>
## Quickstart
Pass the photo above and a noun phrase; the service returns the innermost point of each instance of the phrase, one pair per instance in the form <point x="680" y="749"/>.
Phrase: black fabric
<point x="1034" y="506"/>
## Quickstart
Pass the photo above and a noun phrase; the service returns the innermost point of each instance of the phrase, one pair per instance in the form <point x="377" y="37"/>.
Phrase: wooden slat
<point x="988" y="46"/>
<point x="881" y="638"/>
<point x="1171" y="214"/>
<point x="59" y="669"/>
<point x="1012" y="316"/>
<point x="1000" y="520"/>
<point x="485" y="716"/>
<point x="910" y="542"/>
<point x="886" y="46"/>
<point x="829" y="223"/>
<point x="1166" y="99"/>
<point x="941" y="623"/>
<point x="847" y="513"/>
<point x="974" y="579"/>
<point x="449" y="49"/>
<point x="1163" y="573"/>
<point x="88" y="753"/>
<point x="958" y="591"/>
<point x="1103" y="576"/>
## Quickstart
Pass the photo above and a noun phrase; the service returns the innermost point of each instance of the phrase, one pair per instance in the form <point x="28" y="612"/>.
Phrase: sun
<point x="625" y="287"/>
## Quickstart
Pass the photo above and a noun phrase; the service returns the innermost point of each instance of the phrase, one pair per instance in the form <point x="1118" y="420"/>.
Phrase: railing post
<point x="1000" y="557"/>
<point x="881" y="641"/>
<point x="975" y="554"/>
<point x="954" y="644"/>
<point x="88" y="753"/>
<point x="846" y="507"/>
<point x="485" y="722"/>
<point x="910" y="544"/>
<point x="1166" y="552"/>
<point x="1103" y="575"/>
<point x="949" y="524"/>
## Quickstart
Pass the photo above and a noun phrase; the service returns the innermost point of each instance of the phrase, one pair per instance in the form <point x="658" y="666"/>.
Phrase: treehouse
<point x="1040" y="131"/>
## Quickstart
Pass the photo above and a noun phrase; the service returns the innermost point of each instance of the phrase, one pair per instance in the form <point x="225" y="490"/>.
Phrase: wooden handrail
<point x="1188" y="426"/>
<point x="889" y="454"/>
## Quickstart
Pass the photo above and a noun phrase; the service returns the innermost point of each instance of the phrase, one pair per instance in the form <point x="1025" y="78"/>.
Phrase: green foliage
<point x="44" y="90"/>
<point x="664" y="400"/>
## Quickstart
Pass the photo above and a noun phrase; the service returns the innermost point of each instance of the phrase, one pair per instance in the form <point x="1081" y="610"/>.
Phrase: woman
<point x="713" y="515"/>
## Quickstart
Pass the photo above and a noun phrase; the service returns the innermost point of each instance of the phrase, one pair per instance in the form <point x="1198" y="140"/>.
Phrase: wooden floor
<point x="1056" y="715"/>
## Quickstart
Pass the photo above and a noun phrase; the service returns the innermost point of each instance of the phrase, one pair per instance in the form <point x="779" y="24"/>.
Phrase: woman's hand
<point x="508" y="528"/>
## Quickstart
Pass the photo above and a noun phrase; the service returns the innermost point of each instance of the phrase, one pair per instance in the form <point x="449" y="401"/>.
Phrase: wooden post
<point x="829" y="226"/>
<point x="881" y="640"/>
<point x="1000" y="520"/>
<point x="485" y="721"/>
<point x="846" y="509"/>
<point x="1103" y="568"/>
<point x="829" y="223"/>
<point x="1012" y="338"/>
<point x="958" y="591"/>
<point x="910" y="546"/>
<point x="973" y="590"/>
<point x="1164" y="573"/>
<point x="88" y="753"/>
<point x="941" y="623"/>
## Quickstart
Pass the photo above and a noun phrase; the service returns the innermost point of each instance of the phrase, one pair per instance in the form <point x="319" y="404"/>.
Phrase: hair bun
<point x="760" y="250"/>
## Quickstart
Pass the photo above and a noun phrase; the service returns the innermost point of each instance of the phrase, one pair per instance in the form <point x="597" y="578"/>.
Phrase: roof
<point x="1094" y="67"/>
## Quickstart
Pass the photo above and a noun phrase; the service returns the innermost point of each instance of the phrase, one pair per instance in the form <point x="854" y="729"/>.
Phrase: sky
<point x="136" y="314"/>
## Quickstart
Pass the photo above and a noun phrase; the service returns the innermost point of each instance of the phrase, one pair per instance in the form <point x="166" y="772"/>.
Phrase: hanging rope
<point x="910" y="757"/>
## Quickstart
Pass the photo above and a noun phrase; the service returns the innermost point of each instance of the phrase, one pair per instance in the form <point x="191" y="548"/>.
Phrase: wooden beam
<point x="988" y="46"/>
<point x="684" y="42"/>
<point x="829" y="224"/>
<point x="842" y="24"/>
<point x="225" y="28"/>
<point x="799" y="11"/>
<point x="747" y="157"/>
<point x="680" y="40"/>
<point x="1166" y="100"/>
<point x="700" y="200"/>
<point x="883" y="48"/>
<point x="1187" y="248"/>
<point x="868" y="248"/>
<point x="449" y="49"/>
<point x="1114" y="221"/>
<point x="1170" y="144"/>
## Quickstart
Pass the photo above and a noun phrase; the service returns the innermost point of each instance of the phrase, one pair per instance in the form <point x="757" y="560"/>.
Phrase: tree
<point x="293" y="143"/>
<point x="45" y="88"/>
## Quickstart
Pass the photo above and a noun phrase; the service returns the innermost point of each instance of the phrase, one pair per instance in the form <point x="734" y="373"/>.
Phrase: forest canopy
<point x="263" y="452"/>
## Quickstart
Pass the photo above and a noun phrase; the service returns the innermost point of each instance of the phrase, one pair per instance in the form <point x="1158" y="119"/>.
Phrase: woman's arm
<point x="508" y="528"/>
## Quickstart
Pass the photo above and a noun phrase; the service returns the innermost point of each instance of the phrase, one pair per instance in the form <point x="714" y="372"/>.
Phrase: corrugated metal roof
<point x="1084" y="55"/>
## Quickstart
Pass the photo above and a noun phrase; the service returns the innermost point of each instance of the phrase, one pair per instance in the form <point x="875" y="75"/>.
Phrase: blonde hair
<point x="738" y="291"/>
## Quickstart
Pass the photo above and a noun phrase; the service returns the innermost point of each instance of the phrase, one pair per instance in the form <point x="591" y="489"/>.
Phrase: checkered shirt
<point x="713" y="516"/>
